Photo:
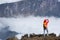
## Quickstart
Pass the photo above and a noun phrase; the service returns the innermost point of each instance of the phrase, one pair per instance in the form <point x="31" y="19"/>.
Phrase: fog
<point x="31" y="24"/>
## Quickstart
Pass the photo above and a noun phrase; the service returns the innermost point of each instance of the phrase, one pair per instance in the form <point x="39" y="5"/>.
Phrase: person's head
<point x="46" y="20"/>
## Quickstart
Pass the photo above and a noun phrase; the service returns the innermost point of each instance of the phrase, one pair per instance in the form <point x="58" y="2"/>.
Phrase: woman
<point x="45" y="23"/>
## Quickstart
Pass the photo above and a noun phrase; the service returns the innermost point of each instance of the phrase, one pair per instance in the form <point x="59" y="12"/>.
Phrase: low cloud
<point x="30" y="24"/>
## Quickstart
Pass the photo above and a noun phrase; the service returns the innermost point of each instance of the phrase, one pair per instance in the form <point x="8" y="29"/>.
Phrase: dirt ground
<point x="51" y="36"/>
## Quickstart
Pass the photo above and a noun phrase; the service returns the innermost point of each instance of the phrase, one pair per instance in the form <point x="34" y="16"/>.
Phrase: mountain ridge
<point x="31" y="7"/>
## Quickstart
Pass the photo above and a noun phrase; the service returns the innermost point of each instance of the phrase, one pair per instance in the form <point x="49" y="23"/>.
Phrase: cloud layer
<point x="30" y="24"/>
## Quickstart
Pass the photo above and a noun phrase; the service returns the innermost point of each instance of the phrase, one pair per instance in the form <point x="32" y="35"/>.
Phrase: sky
<point x="8" y="1"/>
<point x="59" y="0"/>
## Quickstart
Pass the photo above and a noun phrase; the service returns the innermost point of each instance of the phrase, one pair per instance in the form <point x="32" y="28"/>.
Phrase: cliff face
<point x="31" y="7"/>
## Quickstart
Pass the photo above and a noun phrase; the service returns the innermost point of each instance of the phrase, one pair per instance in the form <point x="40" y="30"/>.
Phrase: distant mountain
<point x="31" y="7"/>
<point x="6" y="33"/>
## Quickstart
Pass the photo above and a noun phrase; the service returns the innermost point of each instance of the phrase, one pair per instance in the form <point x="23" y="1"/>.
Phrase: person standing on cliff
<point x="45" y="26"/>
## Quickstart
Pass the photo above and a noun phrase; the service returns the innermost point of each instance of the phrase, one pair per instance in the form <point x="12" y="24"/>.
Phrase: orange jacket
<point x="45" y="23"/>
